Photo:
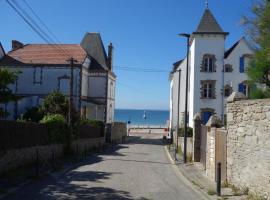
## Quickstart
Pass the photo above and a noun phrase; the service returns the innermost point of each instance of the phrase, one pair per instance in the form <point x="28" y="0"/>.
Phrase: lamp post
<point x="186" y="98"/>
<point x="177" y="124"/>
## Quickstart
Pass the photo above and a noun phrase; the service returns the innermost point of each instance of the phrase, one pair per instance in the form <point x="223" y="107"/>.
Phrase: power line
<point x="139" y="69"/>
<point x="131" y="87"/>
<point x="34" y="26"/>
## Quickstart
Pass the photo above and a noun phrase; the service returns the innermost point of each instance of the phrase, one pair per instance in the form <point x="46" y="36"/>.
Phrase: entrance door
<point x="205" y="116"/>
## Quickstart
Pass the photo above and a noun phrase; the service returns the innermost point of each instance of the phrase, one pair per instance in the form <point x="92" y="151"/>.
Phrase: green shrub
<point x="56" y="103"/>
<point x="57" y="128"/>
<point x="95" y="123"/>
<point x="181" y="132"/>
<point x="260" y="94"/>
<point x="34" y="114"/>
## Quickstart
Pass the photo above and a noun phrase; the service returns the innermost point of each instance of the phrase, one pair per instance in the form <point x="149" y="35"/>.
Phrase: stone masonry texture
<point x="248" y="144"/>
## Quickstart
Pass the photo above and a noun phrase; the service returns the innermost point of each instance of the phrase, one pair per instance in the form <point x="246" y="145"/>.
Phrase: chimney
<point x="16" y="44"/>
<point x="110" y="57"/>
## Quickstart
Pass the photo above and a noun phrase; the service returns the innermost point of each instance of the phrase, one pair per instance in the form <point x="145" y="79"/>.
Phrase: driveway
<point x="139" y="169"/>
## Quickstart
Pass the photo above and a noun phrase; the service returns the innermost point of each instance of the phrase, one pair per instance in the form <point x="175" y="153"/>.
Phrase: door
<point x="205" y="116"/>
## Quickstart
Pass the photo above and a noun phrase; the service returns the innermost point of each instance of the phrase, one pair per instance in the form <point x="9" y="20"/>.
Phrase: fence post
<point x="218" y="178"/>
<point x="197" y="138"/>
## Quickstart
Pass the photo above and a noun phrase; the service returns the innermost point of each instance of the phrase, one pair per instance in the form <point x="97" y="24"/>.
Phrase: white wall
<point x="206" y="44"/>
<point x="111" y="99"/>
<point x="2" y="53"/>
<point x="33" y="93"/>
<point x="235" y="77"/>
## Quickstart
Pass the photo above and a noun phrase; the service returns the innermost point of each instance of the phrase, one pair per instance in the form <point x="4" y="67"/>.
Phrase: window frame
<point x="208" y="63"/>
<point x="208" y="89"/>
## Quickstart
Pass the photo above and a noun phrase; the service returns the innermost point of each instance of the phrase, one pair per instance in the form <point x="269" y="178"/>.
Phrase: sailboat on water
<point x="144" y="115"/>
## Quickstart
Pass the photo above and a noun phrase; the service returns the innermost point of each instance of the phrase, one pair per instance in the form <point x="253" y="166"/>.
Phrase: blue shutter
<point x="242" y="65"/>
<point x="241" y="87"/>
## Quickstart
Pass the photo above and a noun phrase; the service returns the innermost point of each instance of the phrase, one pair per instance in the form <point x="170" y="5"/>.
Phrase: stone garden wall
<point x="248" y="144"/>
<point x="118" y="132"/>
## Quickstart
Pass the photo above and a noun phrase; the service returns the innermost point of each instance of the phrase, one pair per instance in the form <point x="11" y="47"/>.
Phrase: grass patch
<point x="189" y="157"/>
<point x="225" y="184"/>
<point x="211" y="192"/>
<point x="236" y="191"/>
<point x="223" y="198"/>
<point x="197" y="184"/>
<point x="256" y="196"/>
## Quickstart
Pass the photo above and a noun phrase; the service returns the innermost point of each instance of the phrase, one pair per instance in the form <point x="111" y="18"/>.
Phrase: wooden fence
<point x="17" y="135"/>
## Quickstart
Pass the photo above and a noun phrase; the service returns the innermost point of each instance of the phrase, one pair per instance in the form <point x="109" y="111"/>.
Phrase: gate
<point x="203" y="145"/>
<point x="221" y="151"/>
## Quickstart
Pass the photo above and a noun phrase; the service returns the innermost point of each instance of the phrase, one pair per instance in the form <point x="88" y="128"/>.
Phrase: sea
<point x="136" y="117"/>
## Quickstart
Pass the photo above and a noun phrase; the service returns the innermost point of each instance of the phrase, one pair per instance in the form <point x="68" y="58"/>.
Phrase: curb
<point x="185" y="178"/>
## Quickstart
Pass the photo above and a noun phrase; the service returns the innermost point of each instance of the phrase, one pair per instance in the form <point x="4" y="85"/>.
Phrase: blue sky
<point x="144" y="34"/>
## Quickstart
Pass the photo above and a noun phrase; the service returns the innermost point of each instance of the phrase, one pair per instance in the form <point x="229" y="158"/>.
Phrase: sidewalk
<point x="195" y="173"/>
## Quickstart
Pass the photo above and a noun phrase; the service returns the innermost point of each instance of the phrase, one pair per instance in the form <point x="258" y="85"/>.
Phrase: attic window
<point x="208" y="63"/>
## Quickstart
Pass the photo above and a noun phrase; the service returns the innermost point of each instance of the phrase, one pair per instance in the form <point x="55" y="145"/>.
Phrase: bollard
<point x="219" y="179"/>
<point x="37" y="163"/>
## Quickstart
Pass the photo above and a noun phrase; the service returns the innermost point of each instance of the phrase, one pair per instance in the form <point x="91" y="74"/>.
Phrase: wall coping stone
<point x="236" y="96"/>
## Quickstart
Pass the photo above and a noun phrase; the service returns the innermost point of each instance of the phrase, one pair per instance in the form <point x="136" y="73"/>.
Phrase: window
<point x="37" y="75"/>
<point x="227" y="90"/>
<point x="242" y="64"/>
<point x="208" y="89"/>
<point x="208" y="63"/>
<point x="228" y="68"/>
<point x="244" y="88"/>
<point x="63" y="84"/>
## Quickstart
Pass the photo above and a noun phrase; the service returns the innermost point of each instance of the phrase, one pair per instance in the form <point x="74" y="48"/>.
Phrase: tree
<point x="258" y="32"/>
<point x="56" y="103"/>
<point x="6" y="78"/>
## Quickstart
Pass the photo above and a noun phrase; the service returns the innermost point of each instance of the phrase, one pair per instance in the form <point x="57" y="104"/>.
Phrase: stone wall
<point x="14" y="158"/>
<point x="118" y="132"/>
<point x="189" y="144"/>
<point x="248" y="144"/>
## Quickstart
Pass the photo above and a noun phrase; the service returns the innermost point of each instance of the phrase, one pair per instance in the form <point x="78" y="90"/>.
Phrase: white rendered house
<point x="214" y="73"/>
<point x="45" y="68"/>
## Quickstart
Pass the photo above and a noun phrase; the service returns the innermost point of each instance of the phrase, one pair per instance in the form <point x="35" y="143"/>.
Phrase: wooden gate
<point x="203" y="145"/>
<point x="221" y="151"/>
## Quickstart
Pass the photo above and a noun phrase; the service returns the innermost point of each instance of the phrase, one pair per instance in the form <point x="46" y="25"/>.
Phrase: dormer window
<point x="208" y="63"/>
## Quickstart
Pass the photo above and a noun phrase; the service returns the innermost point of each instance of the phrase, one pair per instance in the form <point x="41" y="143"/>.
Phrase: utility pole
<point x="70" y="108"/>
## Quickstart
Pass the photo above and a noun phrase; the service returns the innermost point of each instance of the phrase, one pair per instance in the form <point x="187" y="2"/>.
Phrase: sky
<point x="144" y="34"/>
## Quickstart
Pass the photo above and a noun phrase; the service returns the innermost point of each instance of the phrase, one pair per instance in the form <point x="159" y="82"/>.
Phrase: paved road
<point x="139" y="169"/>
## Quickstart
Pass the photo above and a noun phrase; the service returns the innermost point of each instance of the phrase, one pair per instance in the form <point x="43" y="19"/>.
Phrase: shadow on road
<point x="140" y="140"/>
<point x="76" y="182"/>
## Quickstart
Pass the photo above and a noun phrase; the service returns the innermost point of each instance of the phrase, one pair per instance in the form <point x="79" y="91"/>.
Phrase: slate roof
<point x="230" y="50"/>
<point x="175" y="65"/>
<point x="209" y="24"/>
<point x="44" y="54"/>
<point x="93" y="45"/>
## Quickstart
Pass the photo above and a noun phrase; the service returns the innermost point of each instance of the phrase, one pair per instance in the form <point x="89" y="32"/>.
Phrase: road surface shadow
<point x="140" y="140"/>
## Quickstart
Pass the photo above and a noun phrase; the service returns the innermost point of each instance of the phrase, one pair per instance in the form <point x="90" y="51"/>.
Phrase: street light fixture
<point x="186" y="98"/>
